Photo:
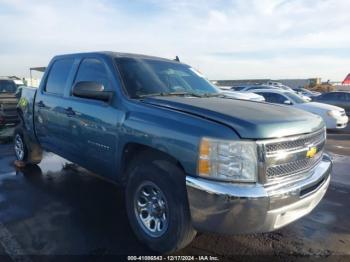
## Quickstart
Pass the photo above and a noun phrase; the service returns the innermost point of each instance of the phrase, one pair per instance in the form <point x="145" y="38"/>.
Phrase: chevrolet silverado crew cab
<point x="190" y="158"/>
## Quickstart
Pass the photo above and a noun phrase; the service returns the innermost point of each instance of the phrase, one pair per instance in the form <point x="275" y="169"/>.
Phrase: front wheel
<point x="157" y="206"/>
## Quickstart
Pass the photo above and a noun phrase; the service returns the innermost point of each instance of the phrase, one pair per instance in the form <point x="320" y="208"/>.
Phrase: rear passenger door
<point x="50" y="111"/>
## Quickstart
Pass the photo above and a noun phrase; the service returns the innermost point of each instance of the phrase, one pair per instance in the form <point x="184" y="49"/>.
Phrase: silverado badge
<point x="311" y="152"/>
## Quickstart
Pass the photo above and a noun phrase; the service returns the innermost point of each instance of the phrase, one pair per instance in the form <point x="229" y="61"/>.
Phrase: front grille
<point x="295" y="143"/>
<point x="296" y="148"/>
<point x="294" y="167"/>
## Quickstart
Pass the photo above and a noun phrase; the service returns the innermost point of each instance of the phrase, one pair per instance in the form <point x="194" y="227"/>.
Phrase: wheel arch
<point x="132" y="150"/>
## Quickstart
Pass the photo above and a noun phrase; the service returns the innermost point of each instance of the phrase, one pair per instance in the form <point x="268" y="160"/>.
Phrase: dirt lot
<point x="58" y="209"/>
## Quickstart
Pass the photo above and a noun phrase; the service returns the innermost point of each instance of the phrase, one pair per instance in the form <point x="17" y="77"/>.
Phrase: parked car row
<point x="333" y="116"/>
<point x="333" y="107"/>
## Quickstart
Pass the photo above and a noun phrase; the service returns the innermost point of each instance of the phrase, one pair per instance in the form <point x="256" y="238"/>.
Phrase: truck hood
<point x="252" y="120"/>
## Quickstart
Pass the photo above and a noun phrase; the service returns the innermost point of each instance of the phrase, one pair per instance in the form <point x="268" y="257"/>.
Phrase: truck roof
<point x="115" y="54"/>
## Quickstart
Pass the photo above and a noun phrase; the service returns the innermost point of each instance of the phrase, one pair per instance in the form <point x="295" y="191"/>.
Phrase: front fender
<point x="175" y="133"/>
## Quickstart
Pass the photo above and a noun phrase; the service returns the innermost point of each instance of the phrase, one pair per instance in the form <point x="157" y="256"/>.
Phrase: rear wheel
<point x="20" y="148"/>
<point x="157" y="206"/>
<point x="25" y="150"/>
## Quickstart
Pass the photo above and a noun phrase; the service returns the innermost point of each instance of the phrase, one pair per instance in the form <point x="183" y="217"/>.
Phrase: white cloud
<point x="275" y="38"/>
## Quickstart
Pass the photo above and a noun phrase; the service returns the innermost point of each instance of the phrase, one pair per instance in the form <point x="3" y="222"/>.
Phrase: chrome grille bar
<point x="286" y="157"/>
<point x="295" y="143"/>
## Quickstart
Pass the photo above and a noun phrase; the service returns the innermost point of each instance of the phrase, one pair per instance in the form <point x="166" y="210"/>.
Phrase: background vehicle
<point x="333" y="116"/>
<point x="338" y="98"/>
<point x="244" y="96"/>
<point x="306" y="92"/>
<point x="248" y="88"/>
<point x="8" y="103"/>
<point x="226" y="90"/>
<point x="190" y="159"/>
<point x="287" y="88"/>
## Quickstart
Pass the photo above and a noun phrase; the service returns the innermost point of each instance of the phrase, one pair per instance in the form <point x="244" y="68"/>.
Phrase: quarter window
<point x="58" y="76"/>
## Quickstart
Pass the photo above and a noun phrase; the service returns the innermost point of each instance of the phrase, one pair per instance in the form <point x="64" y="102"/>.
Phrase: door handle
<point x="70" y="112"/>
<point x="41" y="104"/>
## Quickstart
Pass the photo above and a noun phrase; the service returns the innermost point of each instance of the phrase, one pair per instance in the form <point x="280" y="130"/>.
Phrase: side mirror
<point x="287" y="102"/>
<point x="91" y="90"/>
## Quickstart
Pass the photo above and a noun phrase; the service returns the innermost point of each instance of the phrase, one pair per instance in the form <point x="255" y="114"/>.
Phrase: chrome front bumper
<point x="229" y="208"/>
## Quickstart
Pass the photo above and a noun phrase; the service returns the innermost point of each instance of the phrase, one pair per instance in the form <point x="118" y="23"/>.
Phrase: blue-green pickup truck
<point x="190" y="158"/>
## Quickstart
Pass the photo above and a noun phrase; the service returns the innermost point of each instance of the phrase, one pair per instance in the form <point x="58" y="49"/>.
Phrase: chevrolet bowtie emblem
<point x="311" y="152"/>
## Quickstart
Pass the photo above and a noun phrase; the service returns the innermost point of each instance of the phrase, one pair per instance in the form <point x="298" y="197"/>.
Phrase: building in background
<point x="346" y="80"/>
<point x="343" y="86"/>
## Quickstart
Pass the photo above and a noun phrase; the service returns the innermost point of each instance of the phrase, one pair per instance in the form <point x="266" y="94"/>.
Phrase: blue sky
<point x="229" y="39"/>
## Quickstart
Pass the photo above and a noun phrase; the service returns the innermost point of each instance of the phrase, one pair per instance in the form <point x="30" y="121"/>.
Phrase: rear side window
<point x="58" y="76"/>
<point x="92" y="69"/>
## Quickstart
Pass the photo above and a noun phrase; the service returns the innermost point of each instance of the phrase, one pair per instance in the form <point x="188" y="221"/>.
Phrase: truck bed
<point x="26" y="104"/>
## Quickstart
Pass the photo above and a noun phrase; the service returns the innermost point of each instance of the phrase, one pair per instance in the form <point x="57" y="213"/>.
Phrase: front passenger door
<point x="94" y="122"/>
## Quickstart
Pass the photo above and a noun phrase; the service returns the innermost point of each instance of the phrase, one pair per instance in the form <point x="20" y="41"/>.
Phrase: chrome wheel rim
<point x="151" y="209"/>
<point x="19" y="147"/>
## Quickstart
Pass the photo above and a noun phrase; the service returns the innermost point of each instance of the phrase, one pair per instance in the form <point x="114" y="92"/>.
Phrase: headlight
<point x="228" y="160"/>
<point x="334" y="113"/>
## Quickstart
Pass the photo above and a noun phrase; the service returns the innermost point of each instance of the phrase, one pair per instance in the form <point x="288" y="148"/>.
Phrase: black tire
<point x="32" y="152"/>
<point x="153" y="168"/>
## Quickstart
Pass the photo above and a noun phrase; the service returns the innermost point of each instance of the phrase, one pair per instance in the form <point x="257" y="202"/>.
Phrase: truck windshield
<point x="7" y="86"/>
<point x="148" y="77"/>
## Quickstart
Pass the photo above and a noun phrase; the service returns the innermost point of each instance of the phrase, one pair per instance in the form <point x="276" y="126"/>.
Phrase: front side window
<point x="295" y="98"/>
<point x="93" y="70"/>
<point x="273" y="98"/>
<point x="147" y="77"/>
<point x="238" y="88"/>
<point x="7" y="86"/>
<point x="58" y="76"/>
